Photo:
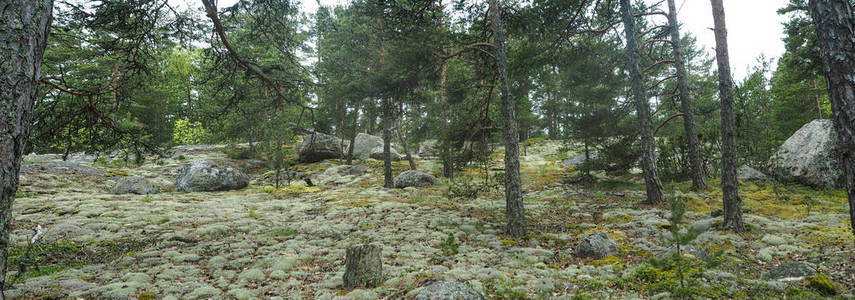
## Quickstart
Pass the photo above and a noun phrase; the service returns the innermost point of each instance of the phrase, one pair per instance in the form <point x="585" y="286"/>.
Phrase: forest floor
<point x="289" y="243"/>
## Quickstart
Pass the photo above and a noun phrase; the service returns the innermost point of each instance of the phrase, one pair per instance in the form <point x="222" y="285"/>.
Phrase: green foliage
<point x="449" y="246"/>
<point x="189" y="133"/>
<point x="822" y="285"/>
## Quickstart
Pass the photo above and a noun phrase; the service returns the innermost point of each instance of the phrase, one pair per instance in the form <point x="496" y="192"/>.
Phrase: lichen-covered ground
<point x="263" y="243"/>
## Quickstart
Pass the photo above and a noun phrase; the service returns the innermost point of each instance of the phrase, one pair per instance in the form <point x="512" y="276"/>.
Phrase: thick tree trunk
<point x="729" y="184"/>
<point x="699" y="181"/>
<point x="25" y="27"/>
<point x="835" y="32"/>
<point x="648" y="144"/>
<point x="363" y="266"/>
<point x="445" y="153"/>
<point x="513" y="187"/>
<point x="387" y="141"/>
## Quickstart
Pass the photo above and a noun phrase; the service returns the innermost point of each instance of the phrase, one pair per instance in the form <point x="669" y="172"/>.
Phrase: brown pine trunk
<point x="514" y="208"/>
<point x="445" y="152"/>
<point x="648" y="144"/>
<point x="25" y="27"/>
<point x="387" y="124"/>
<point x="699" y="181"/>
<point x="835" y="32"/>
<point x="729" y="185"/>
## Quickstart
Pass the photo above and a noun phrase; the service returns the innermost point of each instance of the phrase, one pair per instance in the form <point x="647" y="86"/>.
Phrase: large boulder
<point x="446" y="289"/>
<point x="429" y="149"/>
<point x="377" y="153"/>
<point x="746" y="173"/>
<point x="596" y="245"/>
<point x="414" y="178"/>
<point x="810" y="157"/>
<point x="204" y="176"/>
<point x="318" y="146"/>
<point x="133" y="185"/>
<point x="364" y="144"/>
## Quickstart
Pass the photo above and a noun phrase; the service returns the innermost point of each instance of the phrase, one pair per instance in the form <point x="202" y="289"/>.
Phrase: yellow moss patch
<point x="111" y="173"/>
<point x="699" y="205"/>
<point x="294" y="190"/>
<point x="618" y="220"/>
<point x="608" y="260"/>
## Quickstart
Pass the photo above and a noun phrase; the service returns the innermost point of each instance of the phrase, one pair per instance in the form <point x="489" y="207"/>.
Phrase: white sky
<point x="754" y="27"/>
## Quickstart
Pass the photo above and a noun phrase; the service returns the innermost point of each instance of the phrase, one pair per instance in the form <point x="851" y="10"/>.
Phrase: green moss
<point x="146" y="296"/>
<point x="282" y="232"/>
<point x="608" y="260"/>
<point x="822" y="285"/>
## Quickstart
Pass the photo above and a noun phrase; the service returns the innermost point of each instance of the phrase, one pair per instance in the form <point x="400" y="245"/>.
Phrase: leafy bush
<point x="189" y="133"/>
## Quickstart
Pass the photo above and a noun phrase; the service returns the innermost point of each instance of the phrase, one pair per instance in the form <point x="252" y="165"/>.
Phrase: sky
<point x="754" y="27"/>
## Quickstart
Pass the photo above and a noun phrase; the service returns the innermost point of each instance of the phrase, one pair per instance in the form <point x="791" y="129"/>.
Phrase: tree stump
<point x="363" y="268"/>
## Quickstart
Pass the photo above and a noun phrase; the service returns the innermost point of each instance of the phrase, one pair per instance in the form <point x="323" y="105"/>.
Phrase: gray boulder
<point x="446" y="289"/>
<point x="133" y="185"/>
<point x="429" y="149"/>
<point x="204" y="176"/>
<point x="746" y="173"/>
<point x="317" y="147"/>
<point x="377" y="153"/>
<point x="810" y="157"/>
<point x="577" y="160"/>
<point x="791" y="271"/>
<point x="414" y="178"/>
<point x="596" y="245"/>
<point x="364" y="144"/>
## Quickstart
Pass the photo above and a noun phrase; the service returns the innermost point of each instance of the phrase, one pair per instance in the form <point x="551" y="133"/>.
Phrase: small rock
<point x="791" y="271"/>
<point x="445" y="289"/>
<point x="133" y="185"/>
<point x="414" y="178"/>
<point x="596" y="245"/>
<point x="204" y="176"/>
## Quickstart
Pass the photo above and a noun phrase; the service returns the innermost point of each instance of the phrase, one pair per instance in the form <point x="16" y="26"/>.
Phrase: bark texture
<point x="363" y="267"/>
<point x="24" y="28"/>
<point x="699" y="181"/>
<point x="513" y="187"/>
<point x="648" y="143"/>
<point x="835" y="32"/>
<point x="729" y="185"/>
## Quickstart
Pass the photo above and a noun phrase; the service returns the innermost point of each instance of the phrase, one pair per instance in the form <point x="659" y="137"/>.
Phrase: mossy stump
<point x="363" y="268"/>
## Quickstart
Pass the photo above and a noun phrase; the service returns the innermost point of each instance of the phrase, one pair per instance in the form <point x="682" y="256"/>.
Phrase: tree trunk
<point x="404" y="144"/>
<point x="445" y="153"/>
<point x="363" y="267"/>
<point x="514" y="208"/>
<point x="699" y="181"/>
<point x="648" y="144"/>
<point x="25" y="27"/>
<point x="353" y="136"/>
<point x="835" y="31"/>
<point x="729" y="185"/>
<point x="387" y="141"/>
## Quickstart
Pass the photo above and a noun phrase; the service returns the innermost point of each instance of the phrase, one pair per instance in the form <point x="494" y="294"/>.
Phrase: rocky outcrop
<point x="447" y="289"/>
<point x="364" y="144"/>
<point x="746" y="173"/>
<point x="204" y="176"/>
<point x="576" y="160"/>
<point x="317" y="147"/>
<point x="810" y="157"/>
<point x="377" y="153"/>
<point x="133" y="185"/>
<point x="596" y="245"/>
<point x="414" y="178"/>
